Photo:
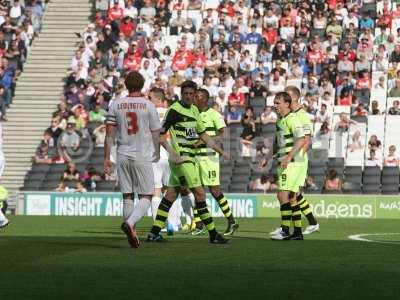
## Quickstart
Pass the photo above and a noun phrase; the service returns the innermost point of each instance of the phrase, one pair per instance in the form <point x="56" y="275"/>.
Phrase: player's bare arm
<point x="156" y="142"/>
<point x="217" y="138"/>
<point x="173" y="155"/>
<point x="109" y="142"/>
<point x="211" y="144"/>
<point x="307" y="142"/>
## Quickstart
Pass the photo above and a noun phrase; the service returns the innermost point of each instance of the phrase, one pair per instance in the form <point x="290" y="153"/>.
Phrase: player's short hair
<point x="188" y="84"/>
<point x="159" y="93"/>
<point x="134" y="81"/>
<point x="284" y="96"/>
<point x="204" y="92"/>
<point x="292" y="90"/>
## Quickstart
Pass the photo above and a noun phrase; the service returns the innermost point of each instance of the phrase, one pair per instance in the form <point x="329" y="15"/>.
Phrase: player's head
<point x="134" y="82"/>
<point x="157" y="96"/>
<point x="202" y="99"/>
<point x="282" y="103"/>
<point x="188" y="91"/>
<point x="294" y="93"/>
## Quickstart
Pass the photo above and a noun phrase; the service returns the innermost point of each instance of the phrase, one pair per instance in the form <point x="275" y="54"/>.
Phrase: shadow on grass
<point x="106" y="268"/>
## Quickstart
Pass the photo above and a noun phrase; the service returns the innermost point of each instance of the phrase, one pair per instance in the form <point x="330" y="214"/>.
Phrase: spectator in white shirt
<point x="372" y="160"/>
<point x="268" y="116"/>
<point x="392" y="160"/>
<point x="16" y="11"/>
<point x="322" y="115"/>
<point x="130" y="10"/>
<point x="222" y="100"/>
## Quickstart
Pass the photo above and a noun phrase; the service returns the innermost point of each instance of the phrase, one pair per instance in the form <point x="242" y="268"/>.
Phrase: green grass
<point x="89" y="258"/>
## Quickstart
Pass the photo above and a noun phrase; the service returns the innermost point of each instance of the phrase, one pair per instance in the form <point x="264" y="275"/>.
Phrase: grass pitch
<point x="89" y="258"/>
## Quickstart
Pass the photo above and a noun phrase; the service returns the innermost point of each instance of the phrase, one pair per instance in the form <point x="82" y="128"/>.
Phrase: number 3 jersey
<point x="184" y="124"/>
<point x="135" y="119"/>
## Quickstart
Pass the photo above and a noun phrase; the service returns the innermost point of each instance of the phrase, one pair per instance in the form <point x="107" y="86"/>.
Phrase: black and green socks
<point x="286" y="217"/>
<point x="161" y="217"/>
<point x="296" y="218"/>
<point x="306" y="209"/>
<point x="206" y="218"/>
<point x="224" y="206"/>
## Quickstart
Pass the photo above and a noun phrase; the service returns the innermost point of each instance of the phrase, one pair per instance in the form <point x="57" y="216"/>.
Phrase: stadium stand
<point x="46" y="40"/>
<point x="342" y="55"/>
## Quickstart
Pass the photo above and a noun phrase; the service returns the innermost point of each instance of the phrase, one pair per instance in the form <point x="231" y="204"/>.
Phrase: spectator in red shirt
<point x="179" y="5"/>
<point x="270" y="34"/>
<point x="182" y="59"/>
<point x="132" y="62"/>
<point x="315" y="57"/>
<point x="199" y="57"/>
<point x="363" y="82"/>
<point x="235" y="98"/>
<point x="345" y="98"/>
<point x="115" y="13"/>
<point x="127" y="27"/>
<point x="347" y="51"/>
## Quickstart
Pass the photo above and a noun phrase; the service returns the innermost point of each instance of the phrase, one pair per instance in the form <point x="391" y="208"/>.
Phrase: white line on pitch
<point x="361" y="238"/>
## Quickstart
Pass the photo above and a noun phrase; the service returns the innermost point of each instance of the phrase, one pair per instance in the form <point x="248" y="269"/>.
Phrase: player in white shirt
<point x="134" y="123"/>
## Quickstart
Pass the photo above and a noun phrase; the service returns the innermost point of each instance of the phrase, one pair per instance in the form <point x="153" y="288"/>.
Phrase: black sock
<point x="161" y="217"/>
<point x="306" y="209"/>
<point x="286" y="217"/>
<point x="206" y="218"/>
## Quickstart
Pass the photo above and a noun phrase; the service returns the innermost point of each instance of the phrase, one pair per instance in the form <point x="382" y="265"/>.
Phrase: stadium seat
<point x="313" y="171"/>
<point x="371" y="189"/>
<point x="390" y="189"/>
<point x="49" y="185"/>
<point x="81" y="167"/>
<point x="238" y="188"/>
<point x="57" y="168"/>
<point x="390" y="180"/>
<point x="53" y="176"/>
<point x="35" y="176"/>
<point x="268" y="128"/>
<point x="224" y="187"/>
<point x="353" y="170"/>
<point x="106" y="185"/>
<point x="258" y="102"/>
<point x="40" y="168"/>
<point x="336" y="161"/>
<point x="31" y="185"/>
<point x="371" y="180"/>
<point x="372" y="171"/>
<point x="351" y="188"/>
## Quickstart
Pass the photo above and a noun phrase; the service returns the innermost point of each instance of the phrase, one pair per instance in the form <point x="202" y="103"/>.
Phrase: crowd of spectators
<point x="240" y="51"/>
<point x="20" y="21"/>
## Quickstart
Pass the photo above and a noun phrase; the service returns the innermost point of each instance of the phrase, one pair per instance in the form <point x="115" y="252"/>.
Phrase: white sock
<point x="155" y="202"/>
<point x="127" y="208"/>
<point x="187" y="208"/>
<point x="174" y="215"/>
<point x="139" y="211"/>
<point x="2" y="216"/>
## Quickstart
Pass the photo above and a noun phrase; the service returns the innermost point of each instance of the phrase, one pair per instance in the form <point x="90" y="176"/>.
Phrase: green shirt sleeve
<point x="218" y="121"/>
<point x="295" y="127"/>
<point x="307" y="125"/>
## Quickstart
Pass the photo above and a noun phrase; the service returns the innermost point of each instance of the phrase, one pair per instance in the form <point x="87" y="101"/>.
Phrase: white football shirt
<point x="135" y="119"/>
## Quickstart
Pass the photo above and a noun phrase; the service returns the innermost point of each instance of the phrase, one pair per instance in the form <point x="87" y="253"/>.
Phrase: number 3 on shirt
<point x="133" y="127"/>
